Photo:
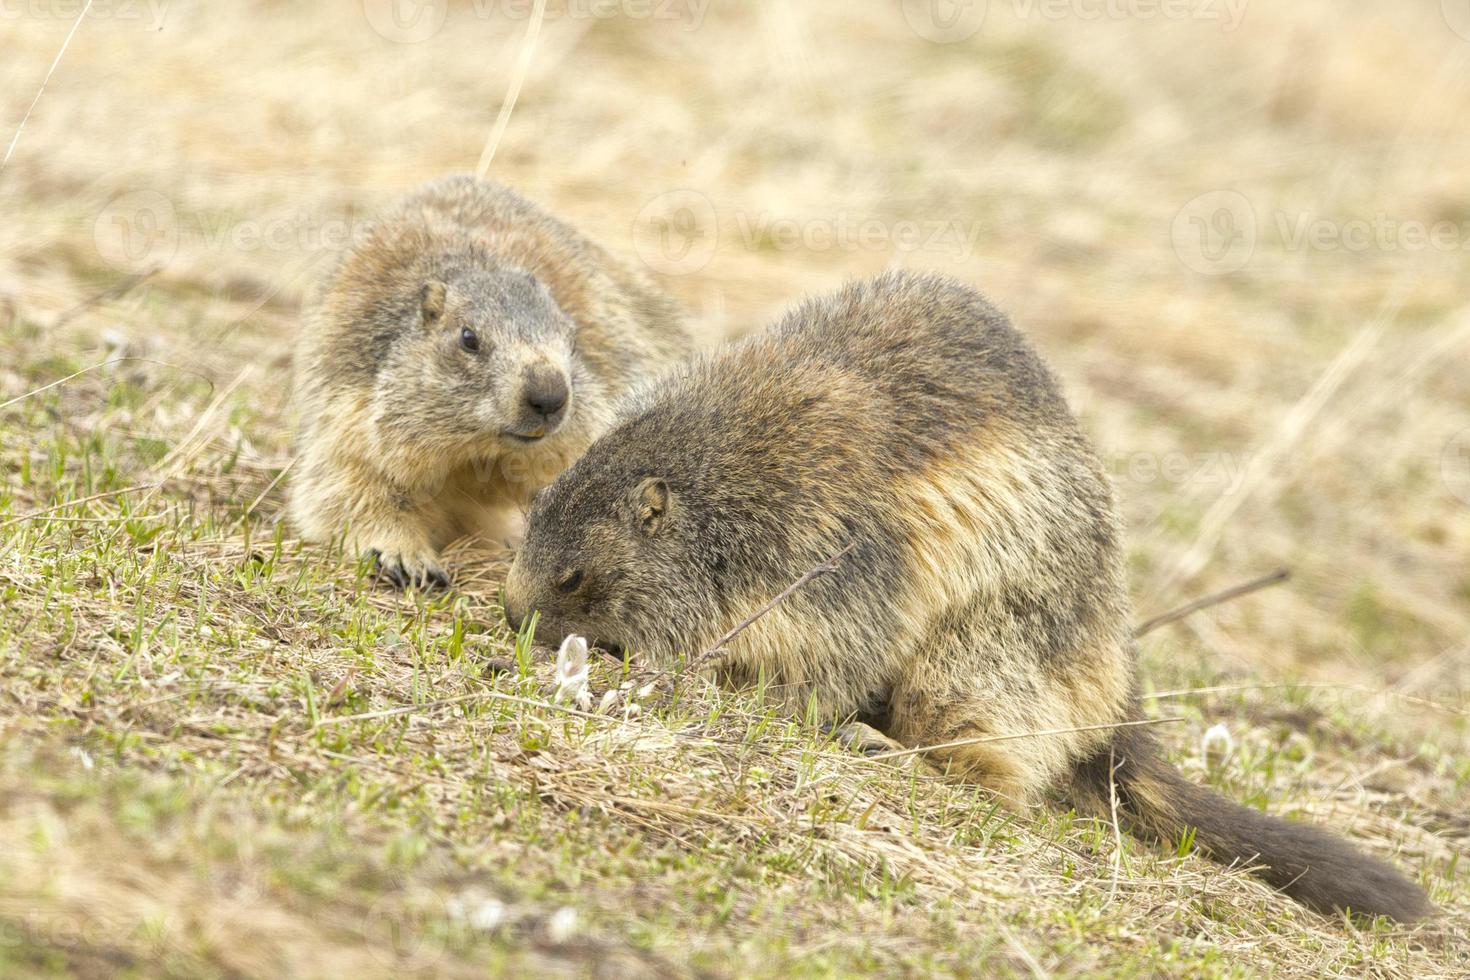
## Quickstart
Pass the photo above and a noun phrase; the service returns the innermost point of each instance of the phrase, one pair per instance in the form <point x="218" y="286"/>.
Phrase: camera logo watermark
<point x="399" y="928"/>
<point x="1457" y="16"/>
<point x="944" y="21"/>
<point x="406" y="21"/>
<point x="1215" y="233"/>
<point x="677" y="232"/>
<point x="1454" y="466"/>
<point x="136" y="231"/>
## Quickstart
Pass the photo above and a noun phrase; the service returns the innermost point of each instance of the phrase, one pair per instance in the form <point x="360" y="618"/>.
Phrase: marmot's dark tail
<point x="1317" y="868"/>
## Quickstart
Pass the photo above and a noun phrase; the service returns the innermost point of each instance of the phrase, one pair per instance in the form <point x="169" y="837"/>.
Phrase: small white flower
<point x="1216" y="744"/>
<point x="115" y="344"/>
<point x="487" y="915"/>
<point x="608" y="700"/>
<point x="571" y="673"/>
<point x="478" y="911"/>
<point x="561" y="925"/>
<point x="82" y="756"/>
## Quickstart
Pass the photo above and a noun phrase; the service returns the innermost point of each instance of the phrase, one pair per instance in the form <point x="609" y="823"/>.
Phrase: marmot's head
<point x="715" y="491"/>
<point x="616" y="551"/>
<point x="481" y="365"/>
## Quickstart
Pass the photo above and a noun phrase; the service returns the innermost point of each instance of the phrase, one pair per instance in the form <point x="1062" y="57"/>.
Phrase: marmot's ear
<point x="431" y="301"/>
<point x="652" y="500"/>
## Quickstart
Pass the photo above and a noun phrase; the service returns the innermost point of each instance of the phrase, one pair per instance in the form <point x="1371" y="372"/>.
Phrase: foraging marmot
<point x="465" y="350"/>
<point x="984" y="593"/>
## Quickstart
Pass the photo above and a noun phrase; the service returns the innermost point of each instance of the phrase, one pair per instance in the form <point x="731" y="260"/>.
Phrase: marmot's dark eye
<point x="469" y="340"/>
<point x="569" y="583"/>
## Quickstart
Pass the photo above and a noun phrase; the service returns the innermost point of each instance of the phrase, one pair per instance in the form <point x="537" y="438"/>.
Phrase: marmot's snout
<point x="514" y="615"/>
<point x="541" y="406"/>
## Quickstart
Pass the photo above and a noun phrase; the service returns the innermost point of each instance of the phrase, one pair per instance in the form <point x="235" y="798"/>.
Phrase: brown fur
<point x="984" y="594"/>
<point x="407" y="438"/>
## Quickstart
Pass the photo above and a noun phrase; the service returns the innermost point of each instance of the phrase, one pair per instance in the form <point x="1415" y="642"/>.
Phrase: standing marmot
<point x="984" y="593"/>
<point x="461" y="355"/>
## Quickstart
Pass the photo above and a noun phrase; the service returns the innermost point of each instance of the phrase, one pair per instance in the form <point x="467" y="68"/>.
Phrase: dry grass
<point x="186" y="795"/>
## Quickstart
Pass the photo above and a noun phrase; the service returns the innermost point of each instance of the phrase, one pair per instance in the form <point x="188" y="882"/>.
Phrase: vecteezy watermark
<point x="412" y="21"/>
<point x="143" y="229"/>
<point x="949" y="21"/>
<point x="406" y="21"/>
<point x="1215" y="233"/>
<point x="1380" y="233"/>
<point x="149" y="12"/>
<point x="66" y="930"/>
<point x="1454" y="466"/>
<point x="944" y="21"/>
<point x="676" y="233"/>
<point x="846" y="232"/>
<point x="689" y="13"/>
<point x="1457" y="15"/>
<point x="1219" y="232"/>
<point x="400" y="928"/>
<point x="1177" y="468"/>
<point x="136" y="231"/>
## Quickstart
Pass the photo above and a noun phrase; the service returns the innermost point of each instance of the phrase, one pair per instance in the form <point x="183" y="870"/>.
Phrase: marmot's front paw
<point x="868" y="741"/>
<point x="858" y="737"/>
<point x="402" y="569"/>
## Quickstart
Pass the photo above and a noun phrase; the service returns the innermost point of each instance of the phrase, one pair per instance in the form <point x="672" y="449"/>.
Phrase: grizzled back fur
<point x="847" y="423"/>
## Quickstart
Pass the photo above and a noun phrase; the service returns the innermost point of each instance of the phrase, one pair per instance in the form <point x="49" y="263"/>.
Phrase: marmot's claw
<point x="401" y="572"/>
<point x="862" y="738"/>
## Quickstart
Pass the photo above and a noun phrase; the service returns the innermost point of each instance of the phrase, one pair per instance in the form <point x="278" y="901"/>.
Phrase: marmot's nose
<point x="546" y="392"/>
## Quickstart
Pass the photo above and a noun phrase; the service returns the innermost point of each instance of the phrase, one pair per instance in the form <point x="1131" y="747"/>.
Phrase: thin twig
<point x="523" y="67"/>
<point x="74" y="503"/>
<point x="1213" y="599"/>
<point x="394" y="712"/>
<point x="102" y="364"/>
<point x="1117" y="861"/>
<point x="155" y="516"/>
<point x="269" y="487"/>
<point x="44" y="82"/>
<point x="830" y="565"/>
<point x="1022" y="953"/>
<point x="205" y="417"/>
<point x="281" y="283"/>
<point x="1287" y="686"/>
<point x="406" y="709"/>
<point x="116" y="291"/>
<point x="978" y="740"/>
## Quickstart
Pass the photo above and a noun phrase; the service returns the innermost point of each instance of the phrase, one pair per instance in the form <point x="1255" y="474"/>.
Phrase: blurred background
<point x="1240" y="231"/>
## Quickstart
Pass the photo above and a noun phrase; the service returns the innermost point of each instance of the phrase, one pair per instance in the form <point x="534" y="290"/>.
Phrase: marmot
<point x="984" y="591"/>
<point x="463" y="352"/>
